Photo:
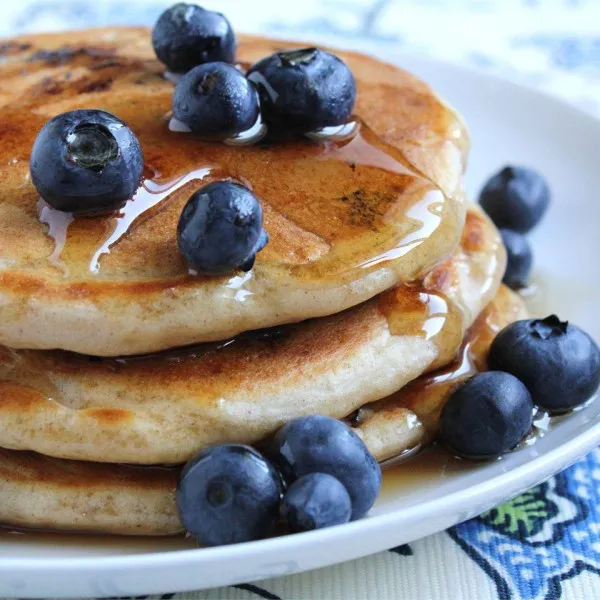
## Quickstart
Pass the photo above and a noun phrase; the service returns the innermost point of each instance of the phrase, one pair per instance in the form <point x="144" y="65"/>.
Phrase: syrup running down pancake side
<point x="408" y="419"/>
<point x="347" y="218"/>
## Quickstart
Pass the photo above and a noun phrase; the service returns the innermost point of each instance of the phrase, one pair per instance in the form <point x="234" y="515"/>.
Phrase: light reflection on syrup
<point x="58" y="224"/>
<point x="423" y="398"/>
<point x="238" y="284"/>
<point x="245" y="138"/>
<point x="426" y="216"/>
<point x="149" y="195"/>
<point x="360" y="145"/>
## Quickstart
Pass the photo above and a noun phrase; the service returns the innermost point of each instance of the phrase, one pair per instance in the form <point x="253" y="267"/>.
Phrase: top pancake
<point x="346" y="219"/>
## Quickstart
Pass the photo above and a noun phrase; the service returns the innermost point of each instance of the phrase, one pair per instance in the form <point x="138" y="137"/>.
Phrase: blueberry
<point x="318" y="444"/>
<point x="187" y="35"/>
<point x="304" y="89"/>
<point x="520" y="259"/>
<point x="486" y="416"/>
<point x="215" y="100"/>
<point x="86" y="162"/>
<point x="558" y="362"/>
<point x="315" y="501"/>
<point x="229" y="494"/>
<point x="220" y="228"/>
<point x="516" y="198"/>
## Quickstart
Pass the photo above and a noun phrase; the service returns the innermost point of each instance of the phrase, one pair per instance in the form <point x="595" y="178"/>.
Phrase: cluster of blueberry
<point x="546" y="363"/>
<point x="231" y="493"/>
<point x="295" y="91"/>
<point x="516" y="199"/>
<point x="89" y="162"/>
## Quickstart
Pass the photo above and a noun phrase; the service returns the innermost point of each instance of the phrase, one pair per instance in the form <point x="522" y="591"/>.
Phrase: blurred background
<point x="550" y="44"/>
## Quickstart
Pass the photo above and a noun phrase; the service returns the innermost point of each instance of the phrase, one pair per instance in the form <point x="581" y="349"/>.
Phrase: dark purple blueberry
<point x="319" y="444"/>
<point x="486" y="416"/>
<point x="220" y="229"/>
<point x="305" y="89"/>
<point x="558" y="362"/>
<point x="519" y="259"/>
<point x="187" y="35"/>
<point x="86" y="162"/>
<point x="516" y="198"/>
<point x="229" y="494"/>
<point x="315" y="501"/>
<point x="215" y="100"/>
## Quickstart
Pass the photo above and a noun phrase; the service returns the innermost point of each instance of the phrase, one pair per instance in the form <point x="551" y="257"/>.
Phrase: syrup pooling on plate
<point x="330" y="207"/>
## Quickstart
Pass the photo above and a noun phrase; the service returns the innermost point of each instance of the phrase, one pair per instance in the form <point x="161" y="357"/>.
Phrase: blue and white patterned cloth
<point x="544" y="545"/>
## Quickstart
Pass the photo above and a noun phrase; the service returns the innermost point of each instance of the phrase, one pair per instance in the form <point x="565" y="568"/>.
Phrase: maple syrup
<point x="369" y="202"/>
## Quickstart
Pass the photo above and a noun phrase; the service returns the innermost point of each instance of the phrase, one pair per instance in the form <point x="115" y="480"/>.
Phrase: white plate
<point x="508" y="123"/>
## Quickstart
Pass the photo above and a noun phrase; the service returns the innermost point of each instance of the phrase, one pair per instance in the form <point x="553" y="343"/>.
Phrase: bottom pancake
<point x="50" y="493"/>
<point x="41" y="492"/>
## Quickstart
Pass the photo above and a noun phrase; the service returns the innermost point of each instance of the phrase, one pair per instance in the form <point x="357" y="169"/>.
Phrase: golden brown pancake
<point x="347" y="219"/>
<point x="42" y="492"/>
<point x="47" y="493"/>
<point x="163" y="408"/>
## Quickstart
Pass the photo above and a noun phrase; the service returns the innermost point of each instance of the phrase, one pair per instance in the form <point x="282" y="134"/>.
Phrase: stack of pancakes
<point x="378" y="291"/>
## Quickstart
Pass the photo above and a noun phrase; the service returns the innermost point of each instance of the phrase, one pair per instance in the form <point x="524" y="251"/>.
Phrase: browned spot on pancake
<point x="365" y="210"/>
<point x="11" y="48"/>
<point x="473" y="237"/>
<point x="47" y="86"/>
<point x="212" y="371"/>
<point x="107" y="64"/>
<point x="16" y="397"/>
<point x="99" y="85"/>
<point x="65" y="54"/>
<point x="110" y="416"/>
<point x="21" y="283"/>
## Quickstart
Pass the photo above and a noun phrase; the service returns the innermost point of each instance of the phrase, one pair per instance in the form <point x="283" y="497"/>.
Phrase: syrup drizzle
<point x="422" y="400"/>
<point x="58" y="224"/>
<point x="149" y="195"/>
<point x="357" y="218"/>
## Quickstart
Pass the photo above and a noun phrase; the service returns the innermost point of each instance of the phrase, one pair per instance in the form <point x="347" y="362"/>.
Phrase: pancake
<point x="163" y="408"/>
<point x="42" y="492"/>
<point x="347" y="219"/>
<point x="47" y="493"/>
